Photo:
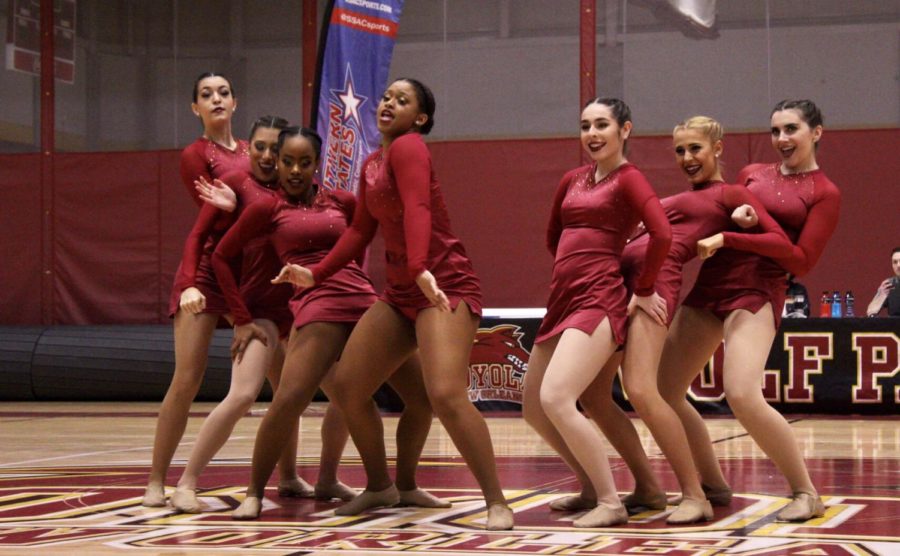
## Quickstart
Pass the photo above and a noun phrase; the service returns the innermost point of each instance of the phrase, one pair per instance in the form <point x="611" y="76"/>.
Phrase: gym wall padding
<point x="101" y="363"/>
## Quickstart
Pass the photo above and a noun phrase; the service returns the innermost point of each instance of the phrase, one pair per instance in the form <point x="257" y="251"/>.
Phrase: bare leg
<point x="415" y="421"/>
<point x="642" y="356"/>
<point x="334" y="438"/>
<point x="748" y="338"/>
<point x="693" y="337"/>
<point x="536" y="417"/>
<point x="445" y="344"/>
<point x="381" y="341"/>
<point x="193" y="334"/>
<point x="246" y="381"/>
<point x="312" y="351"/>
<point x="599" y="404"/>
<point x="576" y="362"/>
<point x="289" y="484"/>
<point x="412" y="432"/>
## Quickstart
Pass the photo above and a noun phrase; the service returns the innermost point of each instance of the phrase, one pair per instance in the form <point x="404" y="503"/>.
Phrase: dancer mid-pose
<point x="269" y="319"/>
<point x="704" y="210"/>
<point x="595" y="210"/>
<point x="738" y="297"/>
<point x="197" y="305"/>
<point x="432" y="300"/>
<point x="303" y="222"/>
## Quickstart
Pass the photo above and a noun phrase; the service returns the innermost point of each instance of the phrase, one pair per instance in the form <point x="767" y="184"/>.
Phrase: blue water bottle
<point x="836" y="305"/>
<point x="848" y="304"/>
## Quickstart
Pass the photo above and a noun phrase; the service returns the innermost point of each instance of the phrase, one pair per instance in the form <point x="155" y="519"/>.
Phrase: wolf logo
<point x="498" y="364"/>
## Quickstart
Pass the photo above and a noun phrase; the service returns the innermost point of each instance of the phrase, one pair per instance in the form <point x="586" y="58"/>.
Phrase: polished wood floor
<point x="56" y="458"/>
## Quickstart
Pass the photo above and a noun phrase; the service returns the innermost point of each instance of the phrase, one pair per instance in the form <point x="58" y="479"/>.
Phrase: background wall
<point x="116" y="242"/>
<point x="500" y="68"/>
<point x="505" y="74"/>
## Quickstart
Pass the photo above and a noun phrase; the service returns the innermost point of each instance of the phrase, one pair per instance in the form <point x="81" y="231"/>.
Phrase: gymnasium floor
<point x="72" y="474"/>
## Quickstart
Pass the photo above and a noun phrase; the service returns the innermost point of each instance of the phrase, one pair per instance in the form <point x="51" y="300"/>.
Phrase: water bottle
<point x="825" y="306"/>
<point x="836" y="305"/>
<point x="848" y="304"/>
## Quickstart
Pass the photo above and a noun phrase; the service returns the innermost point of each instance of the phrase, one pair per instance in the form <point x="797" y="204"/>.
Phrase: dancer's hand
<point x="708" y="246"/>
<point x="216" y="194"/>
<point x="192" y="301"/>
<point x="243" y="335"/>
<point x="745" y="216"/>
<point x="300" y="276"/>
<point x="429" y="287"/>
<point x="653" y="304"/>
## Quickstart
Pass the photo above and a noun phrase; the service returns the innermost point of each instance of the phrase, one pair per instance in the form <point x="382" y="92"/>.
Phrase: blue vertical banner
<point x="355" y="51"/>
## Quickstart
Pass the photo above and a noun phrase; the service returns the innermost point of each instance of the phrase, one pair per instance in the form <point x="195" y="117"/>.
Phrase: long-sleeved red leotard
<point x="589" y="225"/>
<point x="210" y="160"/>
<point x="256" y="268"/>
<point x="696" y="214"/>
<point x="398" y="190"/>
<point x="806" y="206"/>
<point x="301" y="235"/>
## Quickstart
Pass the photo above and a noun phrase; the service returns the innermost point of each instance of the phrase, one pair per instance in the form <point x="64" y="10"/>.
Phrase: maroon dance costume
<point x="210" y="160"/>
<point x="257" y="266"/>
<point x="806" y="206"/>
<point x="398" y="190"/>
<point x="300" y="235"/>
<point x="703" y="211"/>
<point x="589" y="225"/>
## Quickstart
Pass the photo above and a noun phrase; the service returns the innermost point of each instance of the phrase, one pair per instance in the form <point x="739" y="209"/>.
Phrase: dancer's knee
<point x="743" y="400"/>
<point x="185" y="386"/>
<point x="533" y="412"/>
<point x="239" y="402"/>
<point x="644" y="398"/>
<point x="448" y="402"/>
<point x="556" y="403"/>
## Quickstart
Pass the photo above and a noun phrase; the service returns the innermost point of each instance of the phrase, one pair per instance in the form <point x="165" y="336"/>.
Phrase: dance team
<point x="618" y="258"/>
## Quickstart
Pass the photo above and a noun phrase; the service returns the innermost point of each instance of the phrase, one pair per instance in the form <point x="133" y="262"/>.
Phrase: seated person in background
<point x="796" y="301"/>
<point x="888" y="294"/>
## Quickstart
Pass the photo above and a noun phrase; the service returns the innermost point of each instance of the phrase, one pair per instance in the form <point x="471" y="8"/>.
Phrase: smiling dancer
<point x="197" y="305"/>
<point x="704" y="210"/>
<point x="302" y="223"/>
<point x="595" y="210"/>
<point x="736" y="297"/>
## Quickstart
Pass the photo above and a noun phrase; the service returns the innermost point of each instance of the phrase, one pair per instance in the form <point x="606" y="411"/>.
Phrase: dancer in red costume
<point x="216" y="152"/>
<point x="706" y="209"/>
<point x="302" y="223"/>
<point x="738" y="296"/>
<point x="432" y="301"/>
<point x="197" y="305"/>
<point x="596" y="209"/>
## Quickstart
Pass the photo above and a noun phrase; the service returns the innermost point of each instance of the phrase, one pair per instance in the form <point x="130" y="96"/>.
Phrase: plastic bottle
<point x="825" y="306"/>
<point x="848" y="304"/>
<point x="836" y="305"/>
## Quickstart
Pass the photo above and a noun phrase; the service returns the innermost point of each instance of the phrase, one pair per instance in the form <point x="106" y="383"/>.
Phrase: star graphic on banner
<point x="351" y="103"/>
<point x="350" y="98"/>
